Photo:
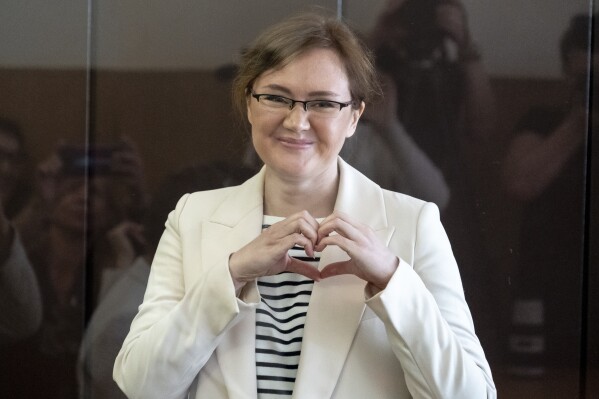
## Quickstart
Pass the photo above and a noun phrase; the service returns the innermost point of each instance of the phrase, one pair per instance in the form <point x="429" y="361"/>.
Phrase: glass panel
<point x="43" y="81"/>
<point x="482" y="91"/>
<point x="93" y="157"/>
<point x="161" y="95"/>
<point x="592" y="375"/>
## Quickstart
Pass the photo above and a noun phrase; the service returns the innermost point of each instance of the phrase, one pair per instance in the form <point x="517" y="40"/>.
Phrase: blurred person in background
<point x="81" y="194"/>
<point x="446" y="104"/>
<point x="444" y="96"/>
<point x="383" y="150"/>
<point x="112" y="318"/>
<point x="20" y="303"/>
<point x="544" y="169"/>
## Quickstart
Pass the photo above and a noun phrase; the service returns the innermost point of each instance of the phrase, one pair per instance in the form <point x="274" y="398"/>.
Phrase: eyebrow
<point x="320" y="93"/>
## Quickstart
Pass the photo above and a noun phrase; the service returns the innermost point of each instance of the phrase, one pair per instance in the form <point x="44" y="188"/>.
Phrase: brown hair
<point x="283" y="42"/>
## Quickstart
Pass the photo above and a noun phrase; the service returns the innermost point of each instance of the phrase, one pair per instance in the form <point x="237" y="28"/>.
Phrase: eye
<point x="323" y="104"/>
<point x="273" y="98"/>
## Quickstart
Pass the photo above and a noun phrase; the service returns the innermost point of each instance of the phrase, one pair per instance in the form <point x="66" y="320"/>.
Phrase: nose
<point x="297" y="119"/>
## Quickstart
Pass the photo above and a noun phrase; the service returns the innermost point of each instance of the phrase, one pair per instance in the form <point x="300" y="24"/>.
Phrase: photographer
<point x="446" y="103"/>
<point x="386" y="153"/>
<point x="82" y="194"/>
<point x="443" y="89"/>
<point x="111" y="320"/>
<point x="544" y="169"/>
<point x="20" y="305"/>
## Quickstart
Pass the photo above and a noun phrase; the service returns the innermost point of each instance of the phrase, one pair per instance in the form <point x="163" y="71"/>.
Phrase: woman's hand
<point x="370" y="259"/>
<point x="267" y="255"/>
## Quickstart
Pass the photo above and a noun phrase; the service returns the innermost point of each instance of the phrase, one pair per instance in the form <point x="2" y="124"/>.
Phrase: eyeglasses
<point x="320" y="107"/>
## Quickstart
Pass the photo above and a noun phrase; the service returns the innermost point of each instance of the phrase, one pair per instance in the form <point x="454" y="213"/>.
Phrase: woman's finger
<point x="338" y="225"/>
<point x="303" y="268"/>
<point x="336" y="269"/>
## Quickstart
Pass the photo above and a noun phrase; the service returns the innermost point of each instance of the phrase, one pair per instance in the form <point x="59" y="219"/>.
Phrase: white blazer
<point x="194" y="338"/>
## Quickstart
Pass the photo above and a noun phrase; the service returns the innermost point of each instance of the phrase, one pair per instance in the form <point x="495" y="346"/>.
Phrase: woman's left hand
<point x="369" y="260"/>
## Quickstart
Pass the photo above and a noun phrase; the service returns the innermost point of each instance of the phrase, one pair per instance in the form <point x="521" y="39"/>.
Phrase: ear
<point x="356" y="113"/>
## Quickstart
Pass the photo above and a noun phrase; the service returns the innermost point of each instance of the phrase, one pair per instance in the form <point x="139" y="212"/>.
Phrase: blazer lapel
<point x="337" y="304"/>
<point x="237" y="221"/>
<point x="335" y="310"/>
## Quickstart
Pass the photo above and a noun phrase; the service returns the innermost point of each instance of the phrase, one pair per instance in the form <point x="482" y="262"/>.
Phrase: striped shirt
<point x="280" y="319"/>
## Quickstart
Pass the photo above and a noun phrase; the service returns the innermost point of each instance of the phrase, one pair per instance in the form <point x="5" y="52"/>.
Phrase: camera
<point x="420" y="39"/>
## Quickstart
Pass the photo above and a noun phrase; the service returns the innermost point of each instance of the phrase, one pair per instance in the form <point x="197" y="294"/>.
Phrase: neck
<point x="285" y="197"/>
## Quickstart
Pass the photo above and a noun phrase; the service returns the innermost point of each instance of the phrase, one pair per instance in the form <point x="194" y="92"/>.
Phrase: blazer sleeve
<point x="180" y="322"/>
<point x="428" y="323"/>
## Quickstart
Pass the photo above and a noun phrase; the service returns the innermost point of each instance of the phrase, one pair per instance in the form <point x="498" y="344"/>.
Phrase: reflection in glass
<point x="448" y="131"/>
<point x="42" y="266"/>
<point x="545" y="171"/>
<point x="162" y="80"/>
<point x="444" y="119"/>
<point x="20" y="302"/>
<point x="520" y="256"/>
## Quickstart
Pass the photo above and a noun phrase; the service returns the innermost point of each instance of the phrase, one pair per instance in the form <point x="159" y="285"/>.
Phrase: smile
<point x="295" y="143"/>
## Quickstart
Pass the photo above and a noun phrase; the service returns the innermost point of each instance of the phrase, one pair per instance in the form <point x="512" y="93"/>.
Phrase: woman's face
<point x="297" y="144"/>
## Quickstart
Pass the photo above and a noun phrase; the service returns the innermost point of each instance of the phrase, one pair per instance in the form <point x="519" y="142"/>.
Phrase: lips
<point x="295" y="142"/>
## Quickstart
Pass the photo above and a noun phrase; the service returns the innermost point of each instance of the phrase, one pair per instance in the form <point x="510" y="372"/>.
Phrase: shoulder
<point x="209" y="198"/>
<point x="386" y="208"/>
<point x="223" y="205"/>
<point x="201" y="204"/>
<point x="402" y="200"/>
<point x="354" y="185"/>
<point x="403" y="207"/>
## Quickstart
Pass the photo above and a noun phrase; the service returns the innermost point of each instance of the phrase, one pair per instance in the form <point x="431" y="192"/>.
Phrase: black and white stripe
<point x="280" y="319"/>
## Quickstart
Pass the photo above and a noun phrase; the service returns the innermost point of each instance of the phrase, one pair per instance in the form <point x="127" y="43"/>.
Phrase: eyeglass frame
<point x="305" y="103"/>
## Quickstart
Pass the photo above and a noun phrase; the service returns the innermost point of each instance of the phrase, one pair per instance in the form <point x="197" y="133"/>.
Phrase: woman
<point x="369" y="293"/>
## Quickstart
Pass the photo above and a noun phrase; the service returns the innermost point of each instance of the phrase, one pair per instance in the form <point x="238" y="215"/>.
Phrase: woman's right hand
<point x="267" y="254"/>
